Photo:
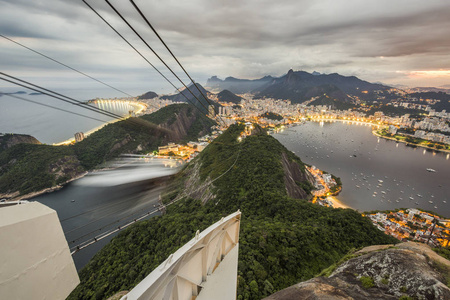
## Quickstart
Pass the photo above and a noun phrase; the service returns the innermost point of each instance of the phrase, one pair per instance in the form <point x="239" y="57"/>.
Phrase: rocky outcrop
<point x="66" y="168"/>
<point x="120" y="144"/>
<point x="292" y="176"/>
<point x="9" y="140"/>
<point x="385" y="272"/>
<point x="180" y="125"/>
<point x="195" y="188"/>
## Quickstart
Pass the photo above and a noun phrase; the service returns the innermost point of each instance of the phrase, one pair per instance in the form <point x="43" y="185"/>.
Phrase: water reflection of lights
<point x="119" y="106"/>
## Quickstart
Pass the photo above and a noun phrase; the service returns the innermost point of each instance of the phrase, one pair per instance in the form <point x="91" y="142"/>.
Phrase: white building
<point x="392" y="129"/>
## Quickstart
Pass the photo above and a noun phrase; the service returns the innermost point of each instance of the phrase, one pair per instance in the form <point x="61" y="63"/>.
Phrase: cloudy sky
<point x="395" y="42"/>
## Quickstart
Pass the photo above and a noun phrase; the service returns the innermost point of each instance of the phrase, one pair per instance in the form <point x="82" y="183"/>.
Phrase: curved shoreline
<point x="408" y="143"/>
<point x="89" y="132"/>
<point x="345" y="121"/>
<point x="41" y="192"/>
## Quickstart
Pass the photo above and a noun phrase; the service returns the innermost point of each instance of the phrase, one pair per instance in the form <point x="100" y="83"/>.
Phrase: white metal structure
<point x="35" y="262"/>
<point x="204" y="268"/>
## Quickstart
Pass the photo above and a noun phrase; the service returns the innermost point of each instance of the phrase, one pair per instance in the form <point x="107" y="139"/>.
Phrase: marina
<point x="383" y="175"/>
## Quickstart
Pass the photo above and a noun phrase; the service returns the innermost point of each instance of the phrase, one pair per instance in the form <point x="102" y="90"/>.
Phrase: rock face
<point x="66" y="168"/>
<point x="292" y="175"/>
<point x="387" y="272"/>
<point x="182" y="123"/>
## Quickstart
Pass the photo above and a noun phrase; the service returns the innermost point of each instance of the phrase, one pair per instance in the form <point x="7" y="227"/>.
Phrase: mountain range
<point x="299" y="86"/>
<point x="235" y="85"/>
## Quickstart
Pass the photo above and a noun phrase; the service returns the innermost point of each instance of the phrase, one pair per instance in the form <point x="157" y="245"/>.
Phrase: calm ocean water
<point x="46" y="124"/>
<point x="104" y="200"/>
<point x="362" y="161"/>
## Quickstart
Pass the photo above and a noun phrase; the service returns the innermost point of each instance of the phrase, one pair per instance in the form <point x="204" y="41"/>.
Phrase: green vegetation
<point x="444" y="270"/>
<point x="444" y="252"/>
<point x="405" y="297"/>
<point x="413" y="141"/>
<point x="393" y="111"/>
<point x="338" y="186"/>
<point x="9" y="139"/>
<point x="28" y="167"/>
<point x="367" y="282"/>
<point x="334" y="102"/>
<point x="272" y="116"/>
<point x="282" y="240"/>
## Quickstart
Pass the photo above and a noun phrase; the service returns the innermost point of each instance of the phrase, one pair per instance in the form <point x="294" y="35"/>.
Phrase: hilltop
<point x="27" y="168"/>
<point x="148" y="95"/>
<point x="227" y="96"/>
<point x="283" y="238"/>
<point x="406" y="271"/>
<point x="9" y="140"/>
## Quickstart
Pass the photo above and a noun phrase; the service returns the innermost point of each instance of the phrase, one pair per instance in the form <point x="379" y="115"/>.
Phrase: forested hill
<point x="26" y="168"/>
<point x="9" y="140"/>
<point x="283" y="238"/>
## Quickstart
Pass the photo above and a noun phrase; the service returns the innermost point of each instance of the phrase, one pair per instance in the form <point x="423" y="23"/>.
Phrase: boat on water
<point x="431" y="202"/>
<point x="380" y="181"/>
<point x="383" y="192"/>
<point x="431" y="170"/>
<point x="411" y="198"/>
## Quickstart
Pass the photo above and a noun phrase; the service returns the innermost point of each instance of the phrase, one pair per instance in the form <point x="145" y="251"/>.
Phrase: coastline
<point x="337" y="203"/>
<point x="41" y="192"/>
<point x="407" y="143"/>
<point x="87" y="133"/>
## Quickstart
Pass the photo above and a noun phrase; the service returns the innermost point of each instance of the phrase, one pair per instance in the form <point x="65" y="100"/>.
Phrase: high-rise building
<point x="79" y="136"/>
<point x="211" y="111"/>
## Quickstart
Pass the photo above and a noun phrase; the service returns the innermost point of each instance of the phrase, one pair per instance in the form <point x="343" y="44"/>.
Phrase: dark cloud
<point x="252" y="38"/>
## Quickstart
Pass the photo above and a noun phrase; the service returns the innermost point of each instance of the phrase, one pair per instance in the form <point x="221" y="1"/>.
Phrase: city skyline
<point x="393" y="43"/>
